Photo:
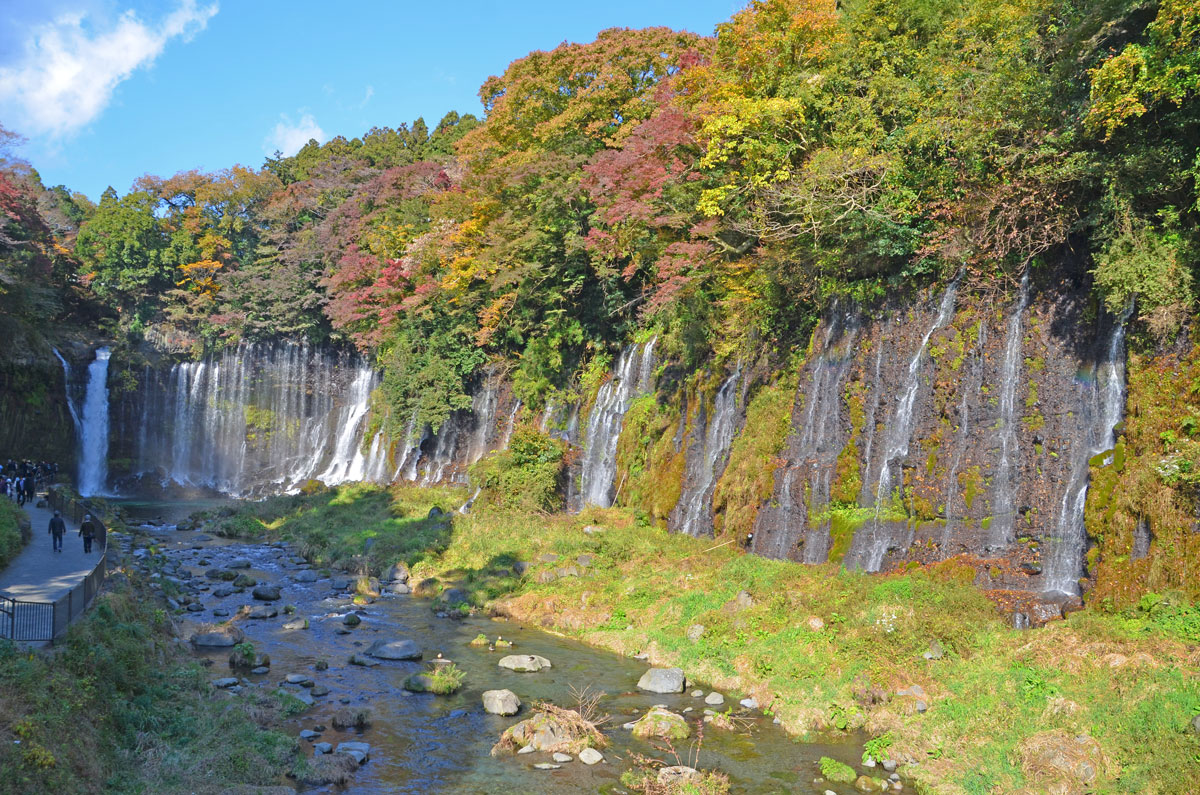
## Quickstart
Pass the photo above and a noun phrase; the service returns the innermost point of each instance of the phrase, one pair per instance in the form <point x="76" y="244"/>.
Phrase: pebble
<point x="749" y="703"/>
<point x="714" y="699"/>
<point x="526" y="750"/>
<point x="322" y="748"/>
<point x="308" y="734"/>
<point x="563" y="758"/>
<point x="546" y="766"/>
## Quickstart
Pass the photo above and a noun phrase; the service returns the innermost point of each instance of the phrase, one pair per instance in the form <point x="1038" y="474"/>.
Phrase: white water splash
<point x="631" y="378"/>
<point x="1004" y="511"/>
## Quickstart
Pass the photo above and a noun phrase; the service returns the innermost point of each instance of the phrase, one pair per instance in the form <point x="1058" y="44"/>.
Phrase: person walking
<point x="21" y="492"/>
<point x="57" y="528"/>
<point x="88" y="531"/>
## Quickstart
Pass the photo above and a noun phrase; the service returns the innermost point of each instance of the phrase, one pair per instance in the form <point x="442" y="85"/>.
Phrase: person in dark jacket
<point x="88" y="531"/>
<point x="57" y="528"/>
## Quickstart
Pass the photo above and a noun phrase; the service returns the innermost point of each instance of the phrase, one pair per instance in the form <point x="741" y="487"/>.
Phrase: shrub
<point x="528" y="475"/>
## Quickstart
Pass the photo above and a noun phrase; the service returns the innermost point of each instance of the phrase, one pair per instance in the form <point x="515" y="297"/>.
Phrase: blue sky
<point x="107" y="90"/>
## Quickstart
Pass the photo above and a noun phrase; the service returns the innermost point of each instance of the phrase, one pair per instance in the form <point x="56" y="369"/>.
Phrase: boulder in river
<point x="244" y="581"/>
<point x="308" y="575"/>
<point x="524" y="663"/>
<point x="402" y="649"/>
<point x="542" y="732"/>
<point x="360" y="751"/>
<point x="222" y="591"/>
<point x="661" y="722"/>
<point x="453" y="596"/>
<point x="262" y="611"/>
<point x="238" y="563"/>
<point x="351" y="620"/>
<point x="501" y="702"/>
<point x="296" y="623"/>
<point x="590" y="756"/>
<point x="226" y="636"/>
<point x="663" y="680"/>
<point x="397" y="572"/>
<point x="266" y="593"/>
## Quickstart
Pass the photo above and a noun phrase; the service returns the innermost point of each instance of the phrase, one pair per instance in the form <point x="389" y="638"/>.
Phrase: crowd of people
<point x="21" y="480"/>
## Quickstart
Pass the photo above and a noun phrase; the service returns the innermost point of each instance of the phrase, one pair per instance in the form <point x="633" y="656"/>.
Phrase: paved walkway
<point x="39" y="573"/>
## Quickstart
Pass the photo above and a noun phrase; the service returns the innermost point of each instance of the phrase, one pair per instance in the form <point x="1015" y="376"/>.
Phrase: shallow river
<point x="423" y="743"/>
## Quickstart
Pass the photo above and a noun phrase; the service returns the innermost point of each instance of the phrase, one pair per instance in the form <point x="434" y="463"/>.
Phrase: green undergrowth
<point x="116" y="707"/>
<point x="11" y="542"/>
<point x="822" y="648"/>
<point x="1148" y="485"/>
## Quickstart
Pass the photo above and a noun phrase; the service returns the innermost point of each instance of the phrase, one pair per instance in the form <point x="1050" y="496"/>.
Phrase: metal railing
<point x="36" y="621"/>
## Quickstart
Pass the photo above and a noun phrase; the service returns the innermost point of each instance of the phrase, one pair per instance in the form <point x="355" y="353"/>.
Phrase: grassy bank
<point x="1111" y="693"/>
<point x="118" y="707"/>
<point x="11" y="542"/>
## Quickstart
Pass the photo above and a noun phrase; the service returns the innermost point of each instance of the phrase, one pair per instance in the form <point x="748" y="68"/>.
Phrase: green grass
<point x="116" y="708"/>
<point x="11" y="542"/>
<point x="814" y="636"/>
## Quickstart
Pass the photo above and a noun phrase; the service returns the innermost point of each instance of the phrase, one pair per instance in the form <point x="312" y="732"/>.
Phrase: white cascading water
<point x="1004" y="508"/>
<point x="896" y="440"/>
<point x="1102" y="405"/>
<point x="632" y="377"/>
<point x="93" y="459"/>
<point x="695" y="511"/>
<point x="257" y="419"/>
<point x="75" y="420"/>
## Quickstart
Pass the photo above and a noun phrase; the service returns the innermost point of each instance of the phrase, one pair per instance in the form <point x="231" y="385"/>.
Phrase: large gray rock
<point x="663" y="680"/>
<point x="222" y="591"/>
<point x="397" y="573"/>
<point x="453" y="596"/>
<point x="360" y="751"/>
<point x="501" y="702"/>
<point x="218" y="638"/>
<point x="262" y="611"/>
<point x="524" y="663"/>
<point x="306" y="576"/>
<point x="590" y="756"/>
<point x="403" y="649"/>
<point x="266" y="593"/>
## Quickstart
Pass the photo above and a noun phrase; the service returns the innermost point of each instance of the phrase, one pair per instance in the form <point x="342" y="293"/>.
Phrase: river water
<point x="423" y="743"/>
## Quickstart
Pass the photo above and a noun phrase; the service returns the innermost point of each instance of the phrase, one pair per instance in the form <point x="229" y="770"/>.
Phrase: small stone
<point x="921" y="706"/>
<point x="590" y="756"/>
<point x="403" y="649"/>
<point x="319" y="690"/>
<point x="308" y="734"/>
<point x="677" y="777"/>
<point x="546" y="766"/>
<point x="322" y="748"/>
<point x="749" y="703"/>
<point x="295" y="679"/>
<point x="306" y="576"/>
<point x="697" y="694"/>
<point x="562" y="758"/>
<point x="239" y="563"/>
<point x="195" y="607"/>
<point x="890" y="765"/>
<point x="529" y="749"/>
<point x="296" y="623"/>
<point x="261" y="612"/>
<point x="585" y="560"/>
<point x="714" y="699"/>
<point x="695" y="632"/>
<point x="591" y="530"/>
<point x="227" y="681"/>
<point x="220" y="612"/>
<point x="260" y="670"/>
<point x="351" y="620"/>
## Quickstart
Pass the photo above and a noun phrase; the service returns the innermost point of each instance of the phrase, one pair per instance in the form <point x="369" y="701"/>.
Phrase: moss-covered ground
<point x="822" y="648"/>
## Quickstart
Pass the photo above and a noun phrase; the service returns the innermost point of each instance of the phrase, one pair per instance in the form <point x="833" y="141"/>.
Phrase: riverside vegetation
<point x="824" y="649"/>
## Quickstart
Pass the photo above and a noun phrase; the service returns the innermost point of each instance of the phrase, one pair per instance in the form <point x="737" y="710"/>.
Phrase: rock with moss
<point x="524" y="663"/>
<point x="837" y="772"/>
<point x="662" y="722"/>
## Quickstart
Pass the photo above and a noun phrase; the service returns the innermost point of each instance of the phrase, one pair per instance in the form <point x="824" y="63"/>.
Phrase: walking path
<point x="41" y="574"/>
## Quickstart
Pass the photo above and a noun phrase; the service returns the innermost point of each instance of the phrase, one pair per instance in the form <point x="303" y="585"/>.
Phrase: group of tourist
<point x="21" y="480"/>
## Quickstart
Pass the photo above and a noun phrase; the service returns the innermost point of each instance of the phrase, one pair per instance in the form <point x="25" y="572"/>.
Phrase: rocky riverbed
<point x="348" y="660"/>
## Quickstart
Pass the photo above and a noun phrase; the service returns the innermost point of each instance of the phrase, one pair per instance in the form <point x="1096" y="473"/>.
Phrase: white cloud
<point x="66" y="76"/>
<point x="289" y="138"/>
<point x="367" y="97"/>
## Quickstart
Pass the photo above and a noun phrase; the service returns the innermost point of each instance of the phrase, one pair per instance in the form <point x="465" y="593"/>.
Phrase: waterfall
<point x="897" y="436"/>
<point x="805" y="481"/>
<point x="93" y="462"/>
<point x="693" y="513"/>
<point x="1102" y="404"/>
<point x="631" y="378"/>
<point x="953" y="488"/>
<point x="258" y="419"/>
<point x="67" y="392"/>
<point x="348" y="462"/>
<point x="1003" y="509"/>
